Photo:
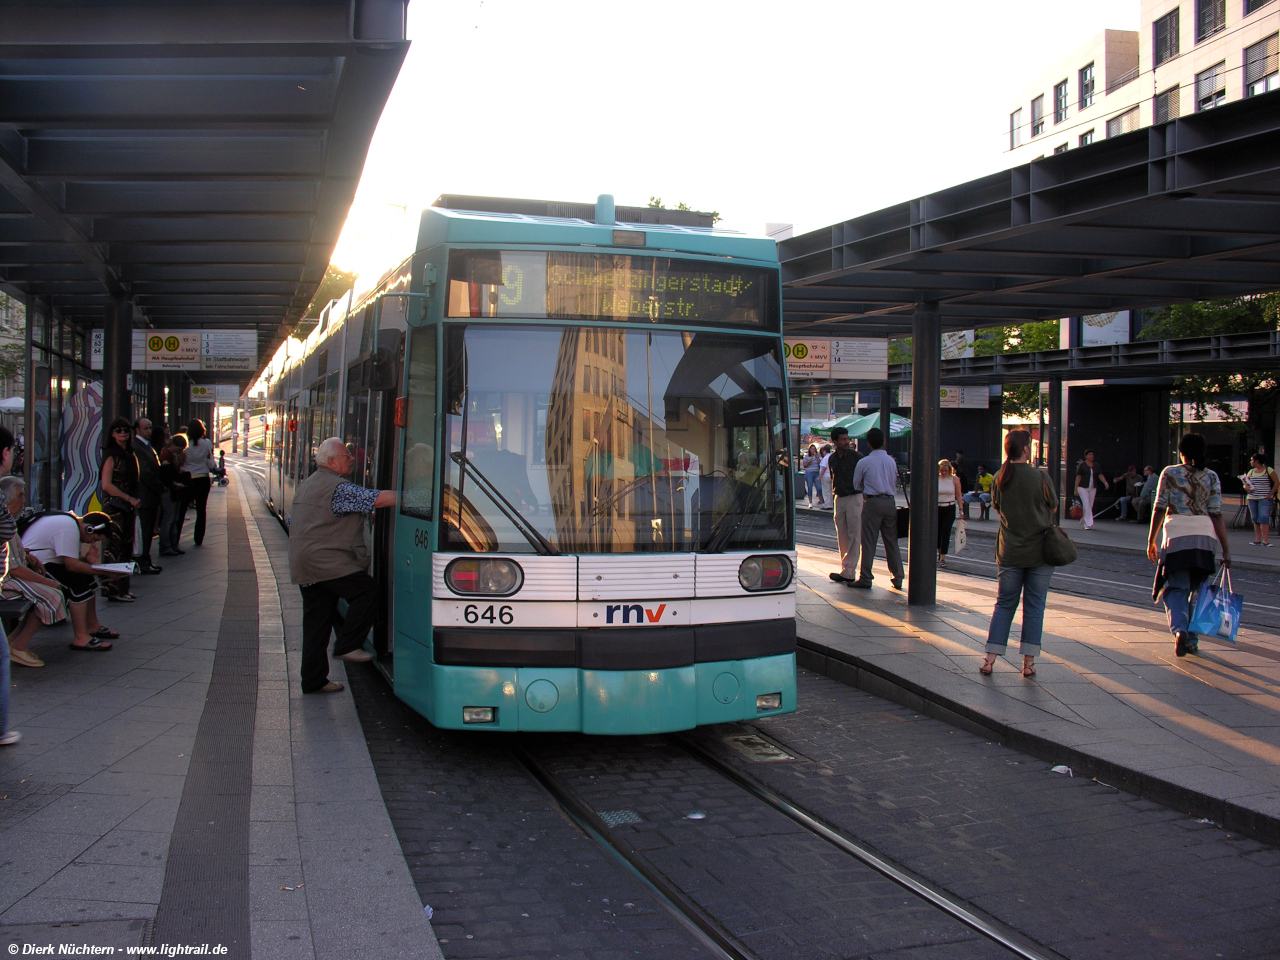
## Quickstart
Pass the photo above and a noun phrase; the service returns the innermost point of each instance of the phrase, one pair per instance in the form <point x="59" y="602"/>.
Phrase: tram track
<point x="702" y="923"/>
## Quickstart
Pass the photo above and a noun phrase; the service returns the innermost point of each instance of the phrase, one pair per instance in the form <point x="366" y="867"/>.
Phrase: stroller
<point x="219" y="473"/>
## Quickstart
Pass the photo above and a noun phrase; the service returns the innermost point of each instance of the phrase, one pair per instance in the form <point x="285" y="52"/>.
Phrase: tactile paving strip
<point x="205" y="897"/>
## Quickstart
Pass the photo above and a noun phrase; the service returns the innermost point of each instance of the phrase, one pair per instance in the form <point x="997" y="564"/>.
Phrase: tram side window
<point x="419" y="435"/>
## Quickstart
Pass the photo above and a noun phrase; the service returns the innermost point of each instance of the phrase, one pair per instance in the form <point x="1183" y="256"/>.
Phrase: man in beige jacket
<point x="329" y="561"/>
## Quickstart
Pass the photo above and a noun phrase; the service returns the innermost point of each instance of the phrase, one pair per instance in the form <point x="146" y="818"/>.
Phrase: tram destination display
<point x="615" y="287"/>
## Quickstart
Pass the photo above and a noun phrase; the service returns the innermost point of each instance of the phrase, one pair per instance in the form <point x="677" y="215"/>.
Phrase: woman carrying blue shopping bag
<point x="1186" y="528"/>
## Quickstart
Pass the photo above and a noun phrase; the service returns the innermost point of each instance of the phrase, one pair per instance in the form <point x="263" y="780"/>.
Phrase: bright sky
<point x="804" y="112"/>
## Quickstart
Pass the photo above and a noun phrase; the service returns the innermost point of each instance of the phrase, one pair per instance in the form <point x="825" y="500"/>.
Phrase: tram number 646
<point x="473" y="614"/>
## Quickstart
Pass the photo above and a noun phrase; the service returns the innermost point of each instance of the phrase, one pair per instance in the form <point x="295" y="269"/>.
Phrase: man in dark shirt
<point x="848" y="504"/>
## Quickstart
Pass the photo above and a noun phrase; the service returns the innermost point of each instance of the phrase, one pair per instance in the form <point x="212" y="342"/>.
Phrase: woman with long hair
<point x="198" y="462"/>
<point x="1026" y="503"/>
<point x="27" y="580"/>
<point x="825" y="494"/>
<point x="811" y="464"/>
<point x="8" y="530"/>
<point x="118" y="486"/>
<point x="949" y="493"/>
<point x="171" y="459"/>
<point x="1260" y="485"/>
<point x="1186" y="521"/>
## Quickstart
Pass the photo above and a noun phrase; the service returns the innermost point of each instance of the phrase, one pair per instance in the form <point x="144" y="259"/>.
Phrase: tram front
<point x="613" y="550"/>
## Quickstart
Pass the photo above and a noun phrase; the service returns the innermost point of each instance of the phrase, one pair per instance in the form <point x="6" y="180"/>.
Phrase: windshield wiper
<point x="720" y="534"/>
<point x="540" y="543"/>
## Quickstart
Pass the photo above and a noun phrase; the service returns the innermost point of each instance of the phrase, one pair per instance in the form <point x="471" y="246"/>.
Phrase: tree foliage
<point x="655" y="203"/>
<point x="13" y="358"/>
<point x="335" y="284"/>
<point x="1214" y="318"/>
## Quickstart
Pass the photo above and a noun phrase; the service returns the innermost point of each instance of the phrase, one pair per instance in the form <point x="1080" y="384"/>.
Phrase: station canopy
<point x="197" y="158"/>
<point x="1181" y="211"/>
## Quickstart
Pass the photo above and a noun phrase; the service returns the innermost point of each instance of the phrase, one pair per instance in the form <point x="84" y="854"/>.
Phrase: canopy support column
<point x="926" y="374"/>
<point x="886" y="393"/>
<point x="1054" y="459"/>
<point x="117" y="362"/>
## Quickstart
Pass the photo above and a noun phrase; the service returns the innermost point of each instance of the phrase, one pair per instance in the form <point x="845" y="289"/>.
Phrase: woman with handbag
<point x="118" y="486"/>
<point x="1025" y="501"/>
<point x="1186" y="526"/>
<point x="949" y="493"/>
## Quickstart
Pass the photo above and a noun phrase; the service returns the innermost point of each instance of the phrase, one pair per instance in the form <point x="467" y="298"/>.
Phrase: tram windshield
<point x="613" y="440"/>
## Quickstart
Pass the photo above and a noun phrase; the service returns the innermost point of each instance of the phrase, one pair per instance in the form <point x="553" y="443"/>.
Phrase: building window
<point x="1211" y="87"/>
<point x="1060" y="102"/>
<point x="1166" y="36"/>
<point x="1252" y="5"/>
<point x="1037" y="116"/>
<point x="1086" y="86"/>
<point x="1124" y="123"/>
<point x="1211" y="18"/>
<point x="1260" y="65"/>
<point x="1086" y="138"/>
<point x="1166" y="105"/>
<point x="1015" y="129"/>
<point x="1061" y="148"/>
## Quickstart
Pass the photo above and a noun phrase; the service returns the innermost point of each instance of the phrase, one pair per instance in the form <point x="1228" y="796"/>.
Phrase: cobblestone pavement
<point x="506" y="875"/>
<point x="775" y="887"/>
<point x="1076" y="865"/>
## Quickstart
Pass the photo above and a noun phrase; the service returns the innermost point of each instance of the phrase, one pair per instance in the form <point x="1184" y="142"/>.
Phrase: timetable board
<point x="211" y="350"/>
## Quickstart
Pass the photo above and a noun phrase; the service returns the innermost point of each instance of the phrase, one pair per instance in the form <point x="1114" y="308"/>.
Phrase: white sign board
<point x="808" y="359"/>
<point x="957" y="344"/>
<point x="859" y="359"/>
<point x="952" y="397"/>
<point x="1101" y="329"/>
<point x="227" y="350"/>
<point x="823" y="359"/>
<point x="214" y="393"/>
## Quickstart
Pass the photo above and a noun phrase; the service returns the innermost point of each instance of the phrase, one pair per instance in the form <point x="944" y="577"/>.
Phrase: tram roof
<point x="500" y="221"/>
<point x="1181" y="211"/>
<point x="196" y="158"/>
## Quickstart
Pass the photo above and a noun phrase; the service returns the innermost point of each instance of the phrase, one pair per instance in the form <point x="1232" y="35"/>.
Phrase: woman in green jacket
<point x="1025" y="501"/>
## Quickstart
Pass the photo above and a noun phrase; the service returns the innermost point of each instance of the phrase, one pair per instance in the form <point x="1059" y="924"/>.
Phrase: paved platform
<point x="1200" y="734"/>
<point x="179" y="789"/>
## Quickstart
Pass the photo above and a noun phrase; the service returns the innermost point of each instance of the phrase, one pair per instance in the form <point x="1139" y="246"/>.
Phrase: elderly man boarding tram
<point x="329" y="561"/>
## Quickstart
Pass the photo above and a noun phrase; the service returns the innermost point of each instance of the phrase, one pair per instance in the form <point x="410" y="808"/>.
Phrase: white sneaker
<point x="10" y="738"/>
<point x="357" y="656"/>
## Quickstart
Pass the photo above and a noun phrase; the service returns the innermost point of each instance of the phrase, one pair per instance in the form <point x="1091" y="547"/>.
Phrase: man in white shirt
<point x="54" y="540"/>
<point x="876" y="475"/>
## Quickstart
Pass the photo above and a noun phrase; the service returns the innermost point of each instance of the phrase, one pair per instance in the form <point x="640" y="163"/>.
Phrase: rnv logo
<point x="628" y="610"/>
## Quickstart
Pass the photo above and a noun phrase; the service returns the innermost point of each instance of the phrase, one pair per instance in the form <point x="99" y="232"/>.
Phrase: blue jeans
<point x="1259" y="512"/>
<point x="1032" y="585"/>
<point x="811" y="485"/>
<point x="1177" y="598"/>
<point x="4" y="682"/>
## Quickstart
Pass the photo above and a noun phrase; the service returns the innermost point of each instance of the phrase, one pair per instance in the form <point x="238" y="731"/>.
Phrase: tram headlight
<point x="770" y="572"/>
<point x="483" y="576"/>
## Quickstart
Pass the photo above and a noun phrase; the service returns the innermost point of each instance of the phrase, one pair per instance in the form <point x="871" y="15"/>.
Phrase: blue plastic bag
<point x="1217" y="609"/>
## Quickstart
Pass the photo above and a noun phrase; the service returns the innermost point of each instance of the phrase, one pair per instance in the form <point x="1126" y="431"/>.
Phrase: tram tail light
<point x="757" y="574"/>
<point x="402" y="412"/>
<point x="769" y="701"/>
<point x="479" y="714"/>
<point x="483" y="577"/>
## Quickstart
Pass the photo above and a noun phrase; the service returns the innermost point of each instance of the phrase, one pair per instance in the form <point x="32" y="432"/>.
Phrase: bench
<point x="12" y="612"/>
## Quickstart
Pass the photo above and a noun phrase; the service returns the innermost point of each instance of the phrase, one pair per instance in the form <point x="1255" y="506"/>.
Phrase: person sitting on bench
<point x="56" y="540"/>
<point x="27" y="580"/>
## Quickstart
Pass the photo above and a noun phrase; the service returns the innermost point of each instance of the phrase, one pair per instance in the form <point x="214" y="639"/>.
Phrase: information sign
<point x="859" y="359"/>
<point x="808" y="359"/>
<point x="214" y="393"/>
<point x="952" y="397"/>
<point x="213" y="350"/>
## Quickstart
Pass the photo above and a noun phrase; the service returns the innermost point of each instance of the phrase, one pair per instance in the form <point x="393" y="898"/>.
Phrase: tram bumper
<point x="650" y="680"/>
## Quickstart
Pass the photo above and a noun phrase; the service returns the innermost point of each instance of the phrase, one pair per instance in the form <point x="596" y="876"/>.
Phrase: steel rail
<point x="692" y="918"/>
<point x="989" y="928"/>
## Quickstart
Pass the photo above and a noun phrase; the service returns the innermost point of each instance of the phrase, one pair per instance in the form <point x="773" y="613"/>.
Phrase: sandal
<point x="93" y="646"/>
<point x="121" y="598"/>
<point x="102" y="633"/>
<point x="25" y="658"/>
<point x="942" y="562"/>
<point x="1028" y="667"/>
<point x="986" y="667"/>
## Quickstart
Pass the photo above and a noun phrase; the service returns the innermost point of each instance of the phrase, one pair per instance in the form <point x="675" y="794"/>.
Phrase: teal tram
<point x="586" y="421"/>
